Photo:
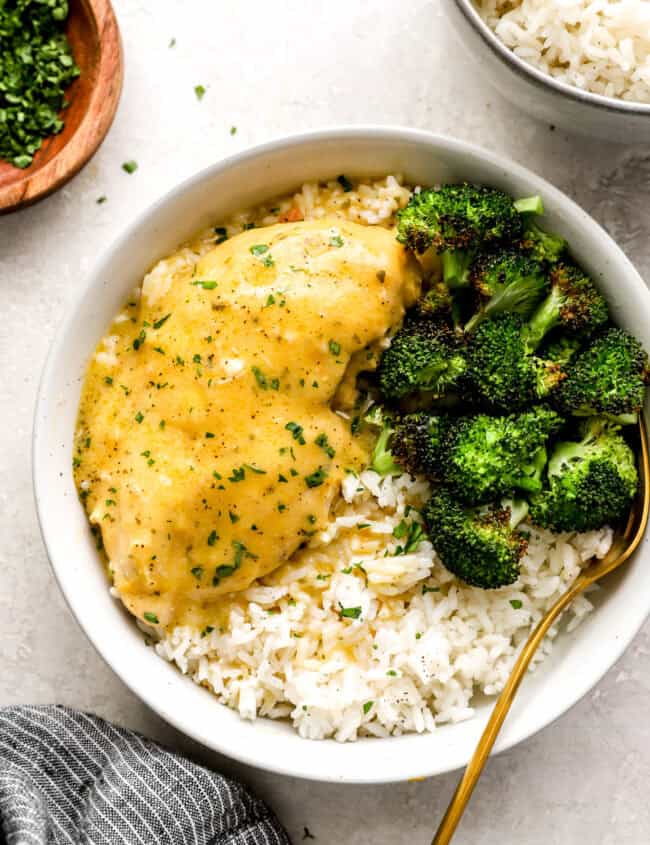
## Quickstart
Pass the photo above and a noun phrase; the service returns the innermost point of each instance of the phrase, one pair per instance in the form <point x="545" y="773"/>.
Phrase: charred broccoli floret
<point x="506" y="281"/>
<point x="479" y="458"/>
<point x="418" y="443"/>
<point x="484" y="458"/>
<point x="457" y="220"/>
<point x="561" y="350"/>
<point x="591" y="483"/>
<point x="543" y="246"/>
<point x="479" y="547"/>
<point x="574" y="304"/>
<point x="503" y="372"/>
<point x="425" y="356"/>
<point x="437" y="302"/>
<point x="609" y="377"/>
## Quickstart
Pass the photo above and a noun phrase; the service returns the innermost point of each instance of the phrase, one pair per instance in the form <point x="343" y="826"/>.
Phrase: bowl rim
<point x="291" y="767"/>
<point x="537" y="76"/>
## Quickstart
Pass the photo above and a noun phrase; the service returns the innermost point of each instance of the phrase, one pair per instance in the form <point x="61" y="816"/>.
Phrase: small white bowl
<point x="578" y="660"/>
<point x="541" y="95"/>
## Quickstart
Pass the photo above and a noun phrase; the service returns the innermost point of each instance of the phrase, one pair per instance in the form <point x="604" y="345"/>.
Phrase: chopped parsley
<point x="367" y="707"/>
<point x="349" y="612"/>
<point x="256" y="470"/>
<point x="140" y="339"/>
<point x="139" y="417"/>
<point x="206" y="284"/>
<point x="233" y="517"/>
<point x="263" y="382"/>
<point x="316" y="478"/>
<point x="344" y="182"/>
<point x="197" y="572"/>
<point x="160" y="323"/>
<point x="238" y="474"/>
<point x="150" y="617"/>
<point x="233" y="130"/>
<point x="212" y="537"/>
<point x="517" y="604"/>
<point x="426" y="589"/>
<point x="259" y="249"/>
<point x="130" y="166"/>
<point x="323" y="442"/>
<point x="108" y="380"/>
<point x="334" y="347"/>
<point x="296" y="432"/>
<point x="413" y="533"/>
<point x="199" y="91"/>
<point x="336" y="240"/>
<point x="209" y="435"/>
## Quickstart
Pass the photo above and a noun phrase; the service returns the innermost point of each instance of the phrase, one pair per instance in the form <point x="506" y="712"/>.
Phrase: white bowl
<point x="540" y="94"/>
<point x="578" y="661"/>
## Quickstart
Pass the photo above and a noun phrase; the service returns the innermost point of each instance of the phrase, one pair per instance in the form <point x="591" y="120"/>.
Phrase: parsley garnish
<point x="212" y="537"/>
<point x="344" y="182"/>
<point x="335" y="347"/>
<point x="151" y="617"/>
<point x="208" y="284"/>
<point x="255" y="469"/>
<point x="296" y="432"/>
<point x="264" y="382"/>
<point x="349" y="612"/>
<point x="139" y="417"/>
<point x="323" y="442"/>
<point x="159" y="323"/>
<point x="197" y="572"/>
<point x="199" y="90"/>
<point x="130" y="166"/>
<point x="238" y="474"/>
<point x="336" y="240"/>
<point x="516" y="603"/>
<point x="316" y="478"/>
<point x="367" y="707"/>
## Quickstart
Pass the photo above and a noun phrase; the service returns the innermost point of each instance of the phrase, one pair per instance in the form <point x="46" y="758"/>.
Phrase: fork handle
<point x="475" y="766"/>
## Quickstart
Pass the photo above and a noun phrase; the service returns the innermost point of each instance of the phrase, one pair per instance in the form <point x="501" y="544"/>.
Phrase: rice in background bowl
<point x="577" y="661"/>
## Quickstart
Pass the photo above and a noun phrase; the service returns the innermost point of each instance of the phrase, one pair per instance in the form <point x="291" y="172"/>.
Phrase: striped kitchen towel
<point x="69" y="777"/>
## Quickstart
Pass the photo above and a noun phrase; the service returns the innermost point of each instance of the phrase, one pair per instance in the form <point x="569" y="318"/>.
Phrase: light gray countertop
<point x="271" y="69"/>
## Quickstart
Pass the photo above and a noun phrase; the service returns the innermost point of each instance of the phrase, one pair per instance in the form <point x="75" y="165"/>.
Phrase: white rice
<point x="601" y="46"/>
<point x="416" y="644"/>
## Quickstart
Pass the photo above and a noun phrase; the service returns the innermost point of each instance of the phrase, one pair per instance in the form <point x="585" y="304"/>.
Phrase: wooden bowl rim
<point x="82" y="145"/>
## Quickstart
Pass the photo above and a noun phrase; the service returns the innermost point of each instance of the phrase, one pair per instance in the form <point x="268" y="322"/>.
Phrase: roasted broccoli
<point x="437" y="302"/>
<point x="506" y="281"/>
<point x="574" y="304"/>
<point x="542" y="246"/>
<point x="418" y="443"/>
<point x="501" y="369"/>
<point x="457" y="220"/>
<point x="425" y="356"/>
<point x="609" y="377"/>
<point x="382" y="460"/>
<point x="591" y="483"/>
<point x="480" y="547"/>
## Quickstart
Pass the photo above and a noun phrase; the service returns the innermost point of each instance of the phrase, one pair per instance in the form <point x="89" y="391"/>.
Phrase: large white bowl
<point x="542" y="95"/>
<point x="578" y="661"/>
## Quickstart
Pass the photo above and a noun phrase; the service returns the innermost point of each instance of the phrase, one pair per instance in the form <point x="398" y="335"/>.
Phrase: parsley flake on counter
<point x="130" y="166"/>
<point x="150" y="617"/>
<point x="233" y="130"/>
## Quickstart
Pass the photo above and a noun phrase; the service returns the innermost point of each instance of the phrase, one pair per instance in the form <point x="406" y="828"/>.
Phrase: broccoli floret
<point x="437" y="302"/>
<point x="480" y="548"/>
<point x="591" y="483"/>
<point x="543" y="246"/>
<point x="382" y="460"/>
<point x="609" y="377"/>
<point x="561" y="350"/>
<point x="457" y="220"/>
<point x="483" y="458"/>
<point x="574" y="304"/>
<point x="506" y="281"/>
<point x="501" y="369"/>
<point x="425" y="356"/>
<point x="418" y="443"/>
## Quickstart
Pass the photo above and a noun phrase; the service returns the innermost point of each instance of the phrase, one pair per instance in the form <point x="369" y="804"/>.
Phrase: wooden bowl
<point x="93" y="97"/>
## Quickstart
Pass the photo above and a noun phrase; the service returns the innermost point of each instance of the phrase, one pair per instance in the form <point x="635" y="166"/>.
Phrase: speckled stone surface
<point x="271" y="69"/>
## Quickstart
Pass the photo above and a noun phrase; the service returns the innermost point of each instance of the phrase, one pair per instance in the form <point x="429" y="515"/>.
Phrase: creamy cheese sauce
<point x="210" y="444"/>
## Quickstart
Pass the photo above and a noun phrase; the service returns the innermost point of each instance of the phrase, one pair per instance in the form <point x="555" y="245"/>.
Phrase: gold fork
<point x="624" y="545"/>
